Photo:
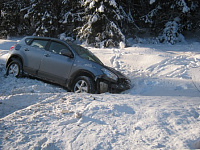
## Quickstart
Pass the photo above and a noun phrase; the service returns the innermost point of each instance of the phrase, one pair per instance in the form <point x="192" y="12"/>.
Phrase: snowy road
<point x="161" y="111"/>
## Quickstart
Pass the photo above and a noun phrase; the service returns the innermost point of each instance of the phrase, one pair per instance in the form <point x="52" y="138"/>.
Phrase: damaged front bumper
<point x="105" y="85"/>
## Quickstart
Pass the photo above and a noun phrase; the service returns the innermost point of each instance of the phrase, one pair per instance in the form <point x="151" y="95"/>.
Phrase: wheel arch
<point x="78" y="74"/>
<point x="14" y="57"/>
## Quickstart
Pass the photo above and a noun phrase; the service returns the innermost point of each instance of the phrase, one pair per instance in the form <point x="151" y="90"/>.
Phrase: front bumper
<point x="113" y="87"/>
<point x="120" y="86"/>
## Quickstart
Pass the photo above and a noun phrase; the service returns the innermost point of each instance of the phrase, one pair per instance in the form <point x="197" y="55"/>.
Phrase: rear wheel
<point x="83" y="84"/>
<point x="15" y="68"/>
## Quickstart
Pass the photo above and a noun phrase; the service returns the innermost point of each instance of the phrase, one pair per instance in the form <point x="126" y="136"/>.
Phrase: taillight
<point x="12" y="47"/>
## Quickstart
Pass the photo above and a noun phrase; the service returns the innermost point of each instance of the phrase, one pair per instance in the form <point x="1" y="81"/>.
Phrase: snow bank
<point x="161" y="111"/>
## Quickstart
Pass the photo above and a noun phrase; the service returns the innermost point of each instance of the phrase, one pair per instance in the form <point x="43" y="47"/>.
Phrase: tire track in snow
<point x="176" y="67"/>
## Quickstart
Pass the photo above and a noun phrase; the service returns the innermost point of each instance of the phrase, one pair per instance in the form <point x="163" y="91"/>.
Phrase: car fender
<point x="14" y="56"/>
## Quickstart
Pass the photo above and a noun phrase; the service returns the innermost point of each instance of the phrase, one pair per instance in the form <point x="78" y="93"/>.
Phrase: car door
<point x="55" y="66"/>
<point x="33" y="55"/>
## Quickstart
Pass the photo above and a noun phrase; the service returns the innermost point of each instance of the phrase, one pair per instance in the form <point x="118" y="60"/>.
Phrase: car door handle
<point x="26" y="49"/>
<point x="46" y="55"/>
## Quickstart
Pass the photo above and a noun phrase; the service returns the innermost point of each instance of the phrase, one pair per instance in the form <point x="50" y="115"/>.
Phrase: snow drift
<point x="161" y="111"/>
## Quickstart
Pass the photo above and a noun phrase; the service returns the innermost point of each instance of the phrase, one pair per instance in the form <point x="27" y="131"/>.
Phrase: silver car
<point x="64" y="63"/>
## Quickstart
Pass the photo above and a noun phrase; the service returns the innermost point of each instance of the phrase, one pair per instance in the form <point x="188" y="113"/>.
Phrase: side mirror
<point x="66" y="52"/>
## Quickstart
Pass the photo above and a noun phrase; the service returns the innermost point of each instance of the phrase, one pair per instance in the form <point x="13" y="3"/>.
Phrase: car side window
<point x="56" y="47"/>
<point x="39" y="43"/>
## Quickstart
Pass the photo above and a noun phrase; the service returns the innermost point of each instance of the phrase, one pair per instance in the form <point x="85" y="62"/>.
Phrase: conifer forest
<point x="101" y="22"/>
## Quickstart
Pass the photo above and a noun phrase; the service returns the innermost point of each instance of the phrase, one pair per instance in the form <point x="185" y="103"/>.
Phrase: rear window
<point x="28" y="41"/>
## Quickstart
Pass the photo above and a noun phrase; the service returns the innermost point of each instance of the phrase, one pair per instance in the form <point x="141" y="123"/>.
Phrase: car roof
<point x="44" y="38"/>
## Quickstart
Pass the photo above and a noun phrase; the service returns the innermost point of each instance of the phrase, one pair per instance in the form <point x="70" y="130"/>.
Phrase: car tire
<point x="14" y="68"/>
<point x="83" y="84"/>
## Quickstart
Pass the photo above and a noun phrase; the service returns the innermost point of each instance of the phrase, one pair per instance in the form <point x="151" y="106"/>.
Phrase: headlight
<point x="109" y="74"/>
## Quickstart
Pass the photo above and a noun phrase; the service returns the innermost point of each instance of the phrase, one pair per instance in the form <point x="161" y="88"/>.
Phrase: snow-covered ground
<point x="160" y="111"/>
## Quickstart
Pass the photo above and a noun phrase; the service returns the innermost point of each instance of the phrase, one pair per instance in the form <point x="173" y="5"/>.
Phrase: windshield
<point x="85" y="53"/>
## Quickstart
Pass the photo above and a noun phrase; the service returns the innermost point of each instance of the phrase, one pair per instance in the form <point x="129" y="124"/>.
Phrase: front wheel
<point x="83" y="84"/>
<point x="15" y="68"/>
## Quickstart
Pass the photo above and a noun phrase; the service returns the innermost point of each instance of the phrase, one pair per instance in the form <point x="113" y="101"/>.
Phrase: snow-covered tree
<point x="130" y="21"/>
<point x="160" y="18"/>
<point x="43" y="16"/>
<point x="102" y="23"/>
<point x="70" y="17"/>
<point x="171" y="32"/>
<point x="12" y="20"/>
<point x="51" y="18"/>
<point x="9" y="18"/>
<point x="99" y="22"/>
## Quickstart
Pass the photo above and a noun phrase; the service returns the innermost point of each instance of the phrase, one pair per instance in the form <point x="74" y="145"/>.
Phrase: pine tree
<point x="51" y="18"/>
<point x="70" y="17"/>
<point x="170" y="18"/>
<point x="171" y="32"/>
<point x="12" y="20"/>
<point x="9" y="18"/>
<point x="130" y="17"/>
<point x="42" y="15"/>
<point x="102" y="22"/>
